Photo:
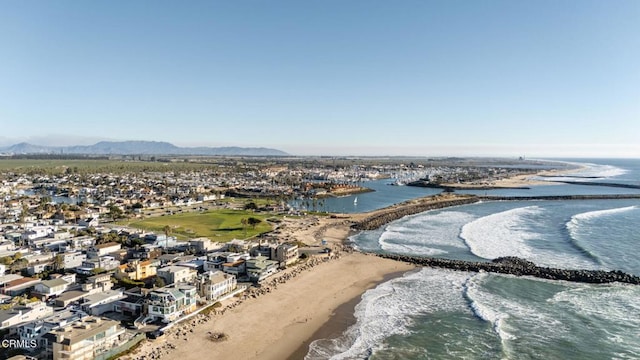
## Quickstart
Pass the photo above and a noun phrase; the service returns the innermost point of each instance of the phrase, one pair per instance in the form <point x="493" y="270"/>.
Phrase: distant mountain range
<point x="138" y="148"/>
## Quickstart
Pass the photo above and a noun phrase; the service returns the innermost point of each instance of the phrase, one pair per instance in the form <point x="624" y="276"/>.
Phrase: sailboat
<point x="355" y="201"/>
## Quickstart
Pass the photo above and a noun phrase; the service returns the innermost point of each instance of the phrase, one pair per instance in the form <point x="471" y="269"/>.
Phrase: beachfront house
<point x="214" y="284"/>
<point x="169" y="303"/>
<point x="260" y="267"/>
<point x="35" y="330"/>
<point x="87" y="338"/>
<point x="286" y="254"/>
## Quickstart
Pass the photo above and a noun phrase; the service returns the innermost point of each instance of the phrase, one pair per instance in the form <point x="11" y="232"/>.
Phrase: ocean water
<point x="443" y="314"/>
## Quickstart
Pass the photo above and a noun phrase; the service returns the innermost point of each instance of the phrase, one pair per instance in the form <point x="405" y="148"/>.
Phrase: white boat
<point x="355" y="201"/>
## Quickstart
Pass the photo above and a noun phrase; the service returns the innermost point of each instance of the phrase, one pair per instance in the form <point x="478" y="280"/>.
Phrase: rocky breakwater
<point x="520" y="267"/>
<point x="395" y="212"/>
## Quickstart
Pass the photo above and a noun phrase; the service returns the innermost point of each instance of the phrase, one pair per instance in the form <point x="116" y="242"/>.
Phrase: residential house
<point x="89" y="221"/>
<point x="204" y="245"/>
<point x="286" y="254"/>
<point x="81" y="242"/>
<point x="87" y="338"/>
<point x="145" y="252"/>
<point x="169" y="303"/>
<point x="101" y="302"/>
<point x="100" y="281"/>
<point x="7" y="246"/>
<point x="96" y="251"/>
<point x="19" y="286"/>
<point x="236" y="268"/>
<point x="174" y="274"/>
<point x="36" y="232"/>
<point x="35" y="330"/>
<point x="37" y="268"/>
<point x="104" y="262"/>
<point x="215" y="284"/>
<point x="260" y="267"/>
<point x="136" y="270"/>
<point x="133" y="303"/>
<point x="24" y="313"/>
<point x="240" y="246"/>
<point x="73" y="259"/>
<point x="49" y="288"/>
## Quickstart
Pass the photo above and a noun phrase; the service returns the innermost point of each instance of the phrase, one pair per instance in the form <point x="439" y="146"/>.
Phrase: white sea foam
<point x="582" y="226"/>
<point x="579" y="221"/>
<point x="422" y="234"/>
<point x="483" y="310"/>
<point x="590" y="172"/>
<point x="615" y="302"/>
<point x="500" y="234"/>
<point x="388" y="310"/>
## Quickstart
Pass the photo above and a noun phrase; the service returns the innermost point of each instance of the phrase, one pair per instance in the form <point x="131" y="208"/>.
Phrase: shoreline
<point x="341" y="320"/>
<point x="282" y="321"/>
<point x="278" y="325"/>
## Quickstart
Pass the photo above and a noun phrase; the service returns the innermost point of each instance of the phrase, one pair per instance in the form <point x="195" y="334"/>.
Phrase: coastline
<point x="318" y="303"/>
<point x="342" y="318"/>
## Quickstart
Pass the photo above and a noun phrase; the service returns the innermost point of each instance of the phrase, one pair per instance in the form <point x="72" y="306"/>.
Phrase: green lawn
<point x="217" y="225"/>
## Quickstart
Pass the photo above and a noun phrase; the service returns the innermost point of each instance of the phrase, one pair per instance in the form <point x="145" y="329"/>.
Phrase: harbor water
<point x="444" y="314"/>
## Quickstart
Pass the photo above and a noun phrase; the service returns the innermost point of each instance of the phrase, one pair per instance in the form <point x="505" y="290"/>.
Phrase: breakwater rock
<point x="411" y="207"/>
<point x="561" y="197"/>
<point x="520" y="267"/>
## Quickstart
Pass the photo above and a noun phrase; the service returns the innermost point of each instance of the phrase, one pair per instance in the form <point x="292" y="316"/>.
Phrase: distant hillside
<point x="138" y="148"/>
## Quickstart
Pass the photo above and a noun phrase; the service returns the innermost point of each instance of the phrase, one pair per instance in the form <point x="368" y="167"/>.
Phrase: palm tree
<point x="58" y="262"/>
<point x="167" y="232"/>
<point x="244" y="223"/>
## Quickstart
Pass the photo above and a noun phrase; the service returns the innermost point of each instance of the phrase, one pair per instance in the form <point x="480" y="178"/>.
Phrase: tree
<point x="19" y="264"/>
<point x="244" y="223"/>
<point x="58" y="262"/>
<point x="115" y="212"/>
<point x="251" y="206"/>
<point x="159" y="282"/>
<point x="253" y="222"/>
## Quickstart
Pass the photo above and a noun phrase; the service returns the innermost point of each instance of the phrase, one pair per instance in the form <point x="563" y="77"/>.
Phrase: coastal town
<point x="83" y="277"/>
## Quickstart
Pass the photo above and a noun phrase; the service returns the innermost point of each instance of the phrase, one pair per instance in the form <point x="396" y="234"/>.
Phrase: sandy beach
<point x="316" y="301"/>
<point x="310" y="301"/>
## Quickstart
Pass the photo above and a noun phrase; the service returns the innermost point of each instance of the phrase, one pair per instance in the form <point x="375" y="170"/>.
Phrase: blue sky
<point x="475" y="78"/>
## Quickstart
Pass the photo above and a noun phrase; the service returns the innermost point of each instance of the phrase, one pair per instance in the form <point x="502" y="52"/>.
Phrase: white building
<point x="102" y="302"/>
<point x="169" y="303"/>
<point x="103" y="249"/>
<point x="25" y="313"/>
<point x="174" y="274"/>
<point x="215" y="284"/>
<point x="53" y="287"/>
<point x="73" y="259"/>
<point x="87" y="339"/>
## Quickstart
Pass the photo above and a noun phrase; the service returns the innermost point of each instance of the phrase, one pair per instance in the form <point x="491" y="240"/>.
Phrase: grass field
<point x="217" y="225"/>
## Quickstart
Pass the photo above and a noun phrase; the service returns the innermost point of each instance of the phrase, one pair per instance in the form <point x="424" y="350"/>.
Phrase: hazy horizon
<point x="415" y="78"/>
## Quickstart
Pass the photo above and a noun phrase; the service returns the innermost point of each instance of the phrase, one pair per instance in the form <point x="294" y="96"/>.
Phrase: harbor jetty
<point x="378" y="218"/>
<point x="411" y="207"/>
<point x="520" y="267"/>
